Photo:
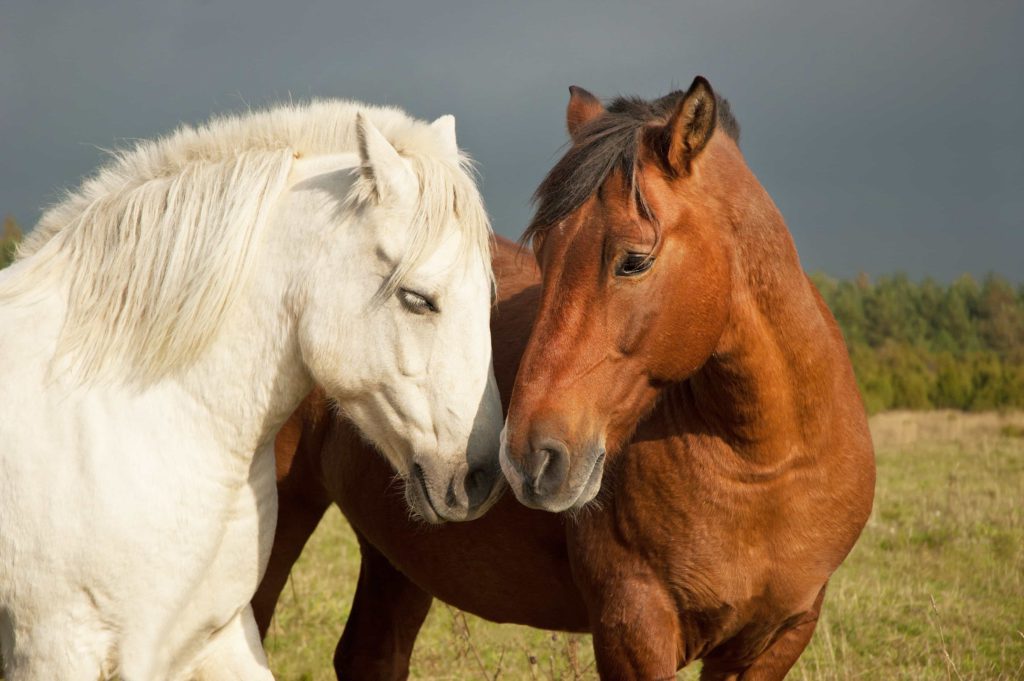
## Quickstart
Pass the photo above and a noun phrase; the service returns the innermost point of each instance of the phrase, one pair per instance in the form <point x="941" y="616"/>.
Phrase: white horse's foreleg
<point x="235" y="653"/>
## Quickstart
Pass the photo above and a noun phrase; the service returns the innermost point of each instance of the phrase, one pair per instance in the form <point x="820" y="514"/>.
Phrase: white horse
<point x="160" y="325"/>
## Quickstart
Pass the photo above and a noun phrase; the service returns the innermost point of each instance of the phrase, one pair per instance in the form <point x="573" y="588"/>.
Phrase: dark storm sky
<point x="890" y="133"/>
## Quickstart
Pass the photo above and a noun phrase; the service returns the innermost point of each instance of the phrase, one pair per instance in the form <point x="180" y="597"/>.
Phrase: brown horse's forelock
<point x="610" y="141"/>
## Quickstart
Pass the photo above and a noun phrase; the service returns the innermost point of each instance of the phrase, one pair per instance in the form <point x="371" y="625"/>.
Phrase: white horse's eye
<point x="416" y="302"/>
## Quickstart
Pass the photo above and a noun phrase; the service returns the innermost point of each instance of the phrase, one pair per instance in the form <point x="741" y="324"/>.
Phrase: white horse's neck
<point x="251" y="378"/>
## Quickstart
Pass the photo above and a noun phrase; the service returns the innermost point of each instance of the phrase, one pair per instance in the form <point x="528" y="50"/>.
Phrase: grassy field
<point x="933" y="590"/>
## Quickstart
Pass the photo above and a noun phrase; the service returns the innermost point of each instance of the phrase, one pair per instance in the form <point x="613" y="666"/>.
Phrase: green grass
<point x="933" y="590"/>
<point x="1012" y="430"/>
<point x="935" y="587"/>
<point x="451" y="645"/>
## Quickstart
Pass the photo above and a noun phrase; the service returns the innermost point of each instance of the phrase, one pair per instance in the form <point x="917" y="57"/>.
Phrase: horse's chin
<point x="420" y="504"/>
<point x="592" y="487"/>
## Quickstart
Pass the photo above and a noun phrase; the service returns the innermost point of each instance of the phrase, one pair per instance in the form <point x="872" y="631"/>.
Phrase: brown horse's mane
<point x="610" y="141"/>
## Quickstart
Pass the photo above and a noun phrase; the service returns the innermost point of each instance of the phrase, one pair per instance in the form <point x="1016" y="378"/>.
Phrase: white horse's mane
<point x="158" y="244"/>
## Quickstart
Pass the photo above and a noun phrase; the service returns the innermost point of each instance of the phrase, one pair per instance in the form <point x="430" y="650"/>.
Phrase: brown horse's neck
<point x="768" y="388"/>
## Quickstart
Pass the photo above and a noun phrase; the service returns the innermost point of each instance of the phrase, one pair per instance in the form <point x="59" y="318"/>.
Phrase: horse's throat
<point x="765" y="390"/>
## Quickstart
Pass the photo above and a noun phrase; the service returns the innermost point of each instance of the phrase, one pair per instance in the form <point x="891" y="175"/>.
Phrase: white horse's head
<point x="395" y="308"/>
<point x="319" y="245"/>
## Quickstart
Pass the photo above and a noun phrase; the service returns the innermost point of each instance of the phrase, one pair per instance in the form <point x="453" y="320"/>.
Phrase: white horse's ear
<point x="445" y="127"/>
<point x="379" y="162"/>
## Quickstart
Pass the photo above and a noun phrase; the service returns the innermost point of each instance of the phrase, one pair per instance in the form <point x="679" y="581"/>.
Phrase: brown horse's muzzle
<point x="548" y="475"/>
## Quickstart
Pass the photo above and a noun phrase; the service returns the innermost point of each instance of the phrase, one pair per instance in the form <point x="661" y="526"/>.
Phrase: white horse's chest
<point x="122" y="522"/>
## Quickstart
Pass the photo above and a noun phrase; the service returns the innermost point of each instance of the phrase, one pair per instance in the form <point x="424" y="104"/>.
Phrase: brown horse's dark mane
<point x="610" y="141"/>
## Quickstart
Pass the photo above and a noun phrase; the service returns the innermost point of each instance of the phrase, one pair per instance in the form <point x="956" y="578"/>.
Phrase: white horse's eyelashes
<point x="210" y="277"/>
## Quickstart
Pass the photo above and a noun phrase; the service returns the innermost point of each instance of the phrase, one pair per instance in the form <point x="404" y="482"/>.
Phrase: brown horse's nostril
<point x="547" y="467"/>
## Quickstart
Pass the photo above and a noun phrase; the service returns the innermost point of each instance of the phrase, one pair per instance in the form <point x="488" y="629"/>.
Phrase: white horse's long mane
<point x="157" y="245"/>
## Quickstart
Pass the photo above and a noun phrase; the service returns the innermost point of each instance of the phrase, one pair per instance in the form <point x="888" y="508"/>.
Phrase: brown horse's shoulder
<point x="301" y="427"/>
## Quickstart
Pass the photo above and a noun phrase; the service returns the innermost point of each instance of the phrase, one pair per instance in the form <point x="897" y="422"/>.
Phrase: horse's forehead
<point x="619" y="208"/>
<point x="445" y="256"/>
<point x="564" y="238"/>
<point x="611" y="214"/>
<point x="452" y="261"/>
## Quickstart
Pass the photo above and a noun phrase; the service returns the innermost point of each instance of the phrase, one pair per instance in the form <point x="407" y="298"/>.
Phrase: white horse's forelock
<point x="160" y="241"/>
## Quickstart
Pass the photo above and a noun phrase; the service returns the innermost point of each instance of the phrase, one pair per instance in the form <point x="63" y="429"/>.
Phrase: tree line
<point x="923" y="345"/>
<point x="914" y="345"/>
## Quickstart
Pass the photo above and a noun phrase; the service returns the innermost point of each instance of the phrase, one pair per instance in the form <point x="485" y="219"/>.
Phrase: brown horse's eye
<point x="634" y="264"/>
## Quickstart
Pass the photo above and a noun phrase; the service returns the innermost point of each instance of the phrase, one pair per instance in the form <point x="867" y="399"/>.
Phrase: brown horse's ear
<point x="691" y="125"/>
<point x="583" y="108"/>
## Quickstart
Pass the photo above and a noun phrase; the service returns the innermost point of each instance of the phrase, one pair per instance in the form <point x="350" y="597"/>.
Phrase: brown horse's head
<point x="633" y="237"/>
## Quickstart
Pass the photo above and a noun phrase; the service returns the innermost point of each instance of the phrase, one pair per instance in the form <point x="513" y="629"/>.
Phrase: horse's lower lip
<point x="595" y="471"/>
<point x="438" y="518"/>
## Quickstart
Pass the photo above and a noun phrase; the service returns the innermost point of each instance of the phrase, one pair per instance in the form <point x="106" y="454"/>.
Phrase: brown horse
<point x="682" y="370"/>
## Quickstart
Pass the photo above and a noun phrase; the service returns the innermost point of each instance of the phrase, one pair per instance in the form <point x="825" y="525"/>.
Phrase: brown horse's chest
<point x="728" y="555"/>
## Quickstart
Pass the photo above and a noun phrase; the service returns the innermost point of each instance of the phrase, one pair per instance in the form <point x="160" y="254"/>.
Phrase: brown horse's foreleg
<point x="636" y="633"/>
<point x="775" y="662"/>
<point x="386" y="617"/>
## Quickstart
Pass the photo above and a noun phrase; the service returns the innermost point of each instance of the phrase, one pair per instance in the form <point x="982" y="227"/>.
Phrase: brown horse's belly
<point x="511" y="565"/>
